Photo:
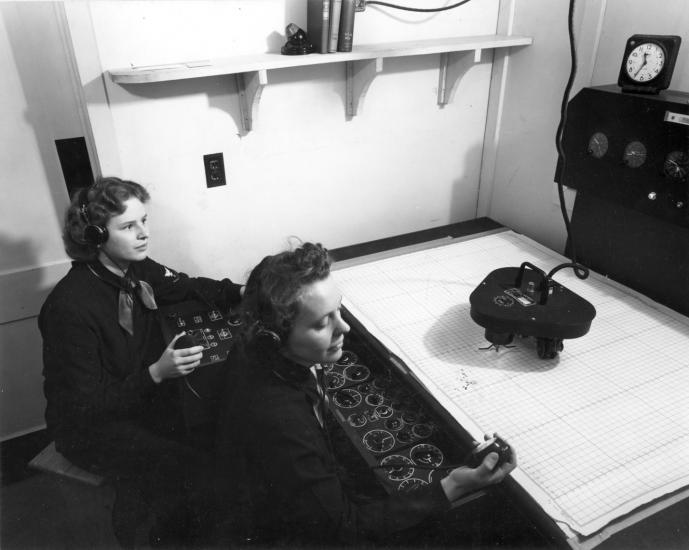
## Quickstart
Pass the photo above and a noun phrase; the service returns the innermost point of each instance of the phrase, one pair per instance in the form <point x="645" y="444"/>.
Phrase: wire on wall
<point x="407" y="8"/>
<point x="579" y="270"/>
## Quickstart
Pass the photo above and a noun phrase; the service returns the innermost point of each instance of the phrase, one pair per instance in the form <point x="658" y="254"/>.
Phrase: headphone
<point x="267" y="337"/>
<point x="95" y="235"/>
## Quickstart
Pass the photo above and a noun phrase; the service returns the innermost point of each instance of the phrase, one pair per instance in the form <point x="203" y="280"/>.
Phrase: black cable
<point x="579" y="270"/>
<point x="425" y="10"/>
<point x="573" y="265"/>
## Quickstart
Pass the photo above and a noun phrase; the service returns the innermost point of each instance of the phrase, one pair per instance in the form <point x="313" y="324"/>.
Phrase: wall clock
<point x="648" y="63"/>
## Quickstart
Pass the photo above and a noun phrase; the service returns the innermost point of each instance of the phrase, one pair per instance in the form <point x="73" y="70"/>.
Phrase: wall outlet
<point x="215" y="169"/>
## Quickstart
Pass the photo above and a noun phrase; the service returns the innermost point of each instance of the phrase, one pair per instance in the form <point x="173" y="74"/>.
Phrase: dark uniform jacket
<point x="96" y="373"/>
<point x="281" y="473"/>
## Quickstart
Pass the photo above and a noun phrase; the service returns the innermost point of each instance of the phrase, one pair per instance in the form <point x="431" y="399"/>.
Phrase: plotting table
<point x="600" y="431"/>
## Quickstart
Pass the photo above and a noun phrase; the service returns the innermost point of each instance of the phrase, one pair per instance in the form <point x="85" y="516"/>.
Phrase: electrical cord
<point x="406" y="8"/>
<point x="580" y="271"/>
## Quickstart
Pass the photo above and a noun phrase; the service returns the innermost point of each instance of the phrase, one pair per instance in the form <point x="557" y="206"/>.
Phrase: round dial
<point x="357" y="373"/>
<point x="645" y="62"/>
<point x="598" y="145"/>
<point x="398" y="467"/>
<point x="426" y="455"/>
<point x="411" y="484"/>
<point x="334" y="380"/>
<point x="356" y="420"/>
<point x="634" y="154"/>
<point x="347" y="358"/>
<point x="676" y="164"/>
<point x="378" y="441"/>
<point x="347" y="398"/>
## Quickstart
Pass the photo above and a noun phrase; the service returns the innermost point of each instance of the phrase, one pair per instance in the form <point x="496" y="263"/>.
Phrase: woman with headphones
<point x="112" y="406"/>
<point x="276" y="456"/>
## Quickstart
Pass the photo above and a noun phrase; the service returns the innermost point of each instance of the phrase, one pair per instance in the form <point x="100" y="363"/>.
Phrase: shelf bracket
<point x="250" y="85"/>
<point x="360" y="74"/>
<point x="453" y="66"/>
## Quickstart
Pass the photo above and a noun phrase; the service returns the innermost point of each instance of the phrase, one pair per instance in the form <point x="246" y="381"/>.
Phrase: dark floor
<point x="47" y="511"/>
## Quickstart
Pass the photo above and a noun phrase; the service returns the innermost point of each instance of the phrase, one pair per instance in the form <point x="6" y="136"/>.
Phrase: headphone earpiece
<point x="95" y="235"/>
<point x="268" y="337"/>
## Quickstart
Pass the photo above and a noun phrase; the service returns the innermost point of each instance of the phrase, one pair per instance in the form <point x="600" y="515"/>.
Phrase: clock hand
<point x="642" y="65"/>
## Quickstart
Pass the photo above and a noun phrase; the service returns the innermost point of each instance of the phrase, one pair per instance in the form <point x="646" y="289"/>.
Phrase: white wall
<point x="37" y="106"/>
<point x="523" y="192"/>
<point x="403" y="164"/>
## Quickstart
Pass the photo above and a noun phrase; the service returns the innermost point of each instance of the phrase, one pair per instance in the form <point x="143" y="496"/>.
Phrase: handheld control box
<point x="492" y="445"/>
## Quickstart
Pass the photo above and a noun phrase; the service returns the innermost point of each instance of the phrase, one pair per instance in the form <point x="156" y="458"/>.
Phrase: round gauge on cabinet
<point x="411" y="484"/>
<point x="378" y="441"/>
<point x="398" y="467"/>
<point x="334" y="380"/>
<point x="347" y="358"/>
<point x="634" y="154"/>
<point x="598" y="145"/>
<point x="676" y="164"/>
<point x="347" y="398"/>
<point x="426" y="454"/>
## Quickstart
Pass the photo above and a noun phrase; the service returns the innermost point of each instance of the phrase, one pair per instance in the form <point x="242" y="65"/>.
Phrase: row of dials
<point x="388" y="422"/>
<point x="675" y="165"/>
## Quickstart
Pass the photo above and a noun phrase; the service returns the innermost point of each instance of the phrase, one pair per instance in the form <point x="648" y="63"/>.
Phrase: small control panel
<point x="202" y="326"/>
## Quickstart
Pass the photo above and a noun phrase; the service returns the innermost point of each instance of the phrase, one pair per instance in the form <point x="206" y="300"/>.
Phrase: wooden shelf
<point x="363" y="63"/>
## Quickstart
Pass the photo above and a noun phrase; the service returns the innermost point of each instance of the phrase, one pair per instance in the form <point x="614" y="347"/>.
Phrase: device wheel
<point x="548" y="347"/>
<point x="499" y="338"/>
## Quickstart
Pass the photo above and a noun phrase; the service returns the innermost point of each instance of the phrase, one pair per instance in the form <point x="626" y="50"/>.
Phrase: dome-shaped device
<point x="527" y="302"/>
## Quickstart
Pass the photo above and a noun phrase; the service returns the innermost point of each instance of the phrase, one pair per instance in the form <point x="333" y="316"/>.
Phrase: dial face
<point x="645" y="62"/>
<point x="634" y="154"/>
<point x="347" y="358"/>
<point x="334" y="380"/>
<point x="426" y="455"/>
<point x="676" y="164"/>
<point x="356" y="420"/>
<point x="598" y="145"/>
<point x="398" y="467"/>
<point x="411" y="484"/>
<point x="378" y="441"/>
<point x="357" y="373"/>
<point x="374" y="399"/>
<point x="347" y="398"/>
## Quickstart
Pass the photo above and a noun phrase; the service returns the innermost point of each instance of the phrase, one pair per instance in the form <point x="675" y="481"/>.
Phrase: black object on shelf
<point x="297" y="41"/>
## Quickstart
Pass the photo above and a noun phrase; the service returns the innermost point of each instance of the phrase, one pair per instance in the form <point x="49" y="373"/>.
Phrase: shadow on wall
<point x="41" y="63"/>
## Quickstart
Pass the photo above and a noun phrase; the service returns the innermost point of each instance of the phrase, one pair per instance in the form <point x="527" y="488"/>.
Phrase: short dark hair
<point x="101" y="201"/>
<point x="273" y="292"/>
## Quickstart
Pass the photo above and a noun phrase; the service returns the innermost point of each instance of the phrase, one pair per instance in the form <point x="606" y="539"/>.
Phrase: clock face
<point x="645" y="62"/>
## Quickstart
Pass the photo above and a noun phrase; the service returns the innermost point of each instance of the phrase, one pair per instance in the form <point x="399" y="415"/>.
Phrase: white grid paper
<point x="599" y="431"/>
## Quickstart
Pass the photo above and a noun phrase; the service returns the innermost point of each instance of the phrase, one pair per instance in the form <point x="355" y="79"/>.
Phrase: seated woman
<point x="275" y="453"/>
<point x="112" y="402"/>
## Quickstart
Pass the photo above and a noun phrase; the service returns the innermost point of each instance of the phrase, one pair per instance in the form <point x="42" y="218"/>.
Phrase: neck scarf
<point x="128" y="287"/>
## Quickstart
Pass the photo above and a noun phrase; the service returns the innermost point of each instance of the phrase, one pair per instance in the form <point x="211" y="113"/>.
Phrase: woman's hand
<point x="464" y="480"/>
<point x="174" y="363"/>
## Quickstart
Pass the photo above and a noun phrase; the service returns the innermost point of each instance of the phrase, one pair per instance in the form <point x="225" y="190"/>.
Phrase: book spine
<point x="318" y="24"/>
<point x="335" y="10"/>
<point x="346" y="31"/>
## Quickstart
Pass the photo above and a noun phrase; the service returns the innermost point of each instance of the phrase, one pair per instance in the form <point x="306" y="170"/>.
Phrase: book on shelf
<point x="318" y="24"/>
<point x="346" y="29"/>
<point x="335" y="9"/>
